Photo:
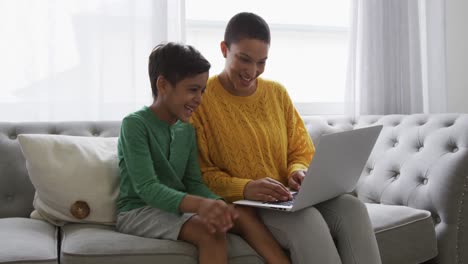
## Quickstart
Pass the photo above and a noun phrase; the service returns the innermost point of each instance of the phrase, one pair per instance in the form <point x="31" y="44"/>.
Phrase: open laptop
<point x="335" y="169"/>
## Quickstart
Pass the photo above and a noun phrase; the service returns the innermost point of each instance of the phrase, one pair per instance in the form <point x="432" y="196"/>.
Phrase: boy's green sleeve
<point x="135" y="148"/>
<point x="192" y="178"/>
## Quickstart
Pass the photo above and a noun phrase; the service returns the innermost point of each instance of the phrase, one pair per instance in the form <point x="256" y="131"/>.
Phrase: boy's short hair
<point x="175" y="61"/>
<point x="246" y="25"/>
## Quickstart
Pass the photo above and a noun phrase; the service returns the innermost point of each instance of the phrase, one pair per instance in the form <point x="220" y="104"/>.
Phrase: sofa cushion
<point x="86" y="243"/>
<point x="404" y="234"/>
<point x="25" y="240"/>
<point x="76" y="178"/>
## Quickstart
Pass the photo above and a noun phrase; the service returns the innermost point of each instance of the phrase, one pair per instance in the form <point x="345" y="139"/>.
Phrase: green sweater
<point x="158" y="163"/>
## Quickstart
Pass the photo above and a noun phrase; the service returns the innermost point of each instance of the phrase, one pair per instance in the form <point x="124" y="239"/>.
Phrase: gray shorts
<point x="151" y="222"/>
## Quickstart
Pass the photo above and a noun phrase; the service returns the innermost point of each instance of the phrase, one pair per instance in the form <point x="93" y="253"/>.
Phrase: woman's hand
<point x="216" y="215"/>
<point x="267" y="190"/>
<point x="295" y="180"/>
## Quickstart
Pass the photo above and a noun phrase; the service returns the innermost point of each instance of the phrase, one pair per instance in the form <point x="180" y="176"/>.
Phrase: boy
<point x="161" y="191"/>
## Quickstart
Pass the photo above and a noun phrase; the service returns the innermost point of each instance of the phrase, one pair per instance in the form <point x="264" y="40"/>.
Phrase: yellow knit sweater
<point x="247" y="138"/>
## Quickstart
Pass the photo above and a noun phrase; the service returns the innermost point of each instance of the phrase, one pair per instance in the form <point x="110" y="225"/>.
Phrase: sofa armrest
<point x="421" y="161"/>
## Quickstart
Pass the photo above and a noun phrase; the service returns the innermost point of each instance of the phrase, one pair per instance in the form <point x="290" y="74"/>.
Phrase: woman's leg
<point x="304" y="233"/>
<point x="350" y="226"/>
<point x="212" y="248"/>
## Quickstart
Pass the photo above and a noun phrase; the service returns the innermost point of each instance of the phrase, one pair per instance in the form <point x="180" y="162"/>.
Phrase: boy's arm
<point x="134" y="146"/>
<point x="215" y="214"/>
<point x="192" y="179"/>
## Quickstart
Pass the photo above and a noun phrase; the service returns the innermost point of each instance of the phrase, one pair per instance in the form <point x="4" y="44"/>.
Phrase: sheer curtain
<point x="397" y="57"/>
<point x="80" y="59"/>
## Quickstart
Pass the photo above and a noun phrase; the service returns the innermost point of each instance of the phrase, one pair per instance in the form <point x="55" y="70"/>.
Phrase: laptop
<point x="335" y="169"/>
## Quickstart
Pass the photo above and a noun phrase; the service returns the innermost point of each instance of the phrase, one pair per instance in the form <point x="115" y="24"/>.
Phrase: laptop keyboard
<point x="284" y="203"/>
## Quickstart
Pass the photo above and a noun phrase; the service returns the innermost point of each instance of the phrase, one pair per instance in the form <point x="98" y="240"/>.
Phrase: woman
<point x="253" y="145"/>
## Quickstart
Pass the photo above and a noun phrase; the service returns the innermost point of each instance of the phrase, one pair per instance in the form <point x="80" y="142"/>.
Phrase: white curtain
<point x="80" y="59"/>
<point x="397" y="57"/>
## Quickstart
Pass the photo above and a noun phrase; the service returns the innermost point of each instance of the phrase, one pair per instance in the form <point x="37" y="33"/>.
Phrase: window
<point x="309" y="47"/>
<point x="87" y="60"/>
<point x="75" y="60"/>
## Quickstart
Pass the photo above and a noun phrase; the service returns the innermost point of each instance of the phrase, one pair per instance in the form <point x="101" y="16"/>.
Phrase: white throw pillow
<point x="76" y="178"/>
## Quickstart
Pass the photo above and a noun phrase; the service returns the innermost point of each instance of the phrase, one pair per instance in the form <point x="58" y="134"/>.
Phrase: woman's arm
<point x="300" y="146"/>
<point x="234" y="188"/>
<point x="221" y="183"/>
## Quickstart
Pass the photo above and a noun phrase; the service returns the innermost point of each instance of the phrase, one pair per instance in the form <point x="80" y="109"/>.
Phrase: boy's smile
<point x="178" y="102"/>
<point x="190" y="108"/>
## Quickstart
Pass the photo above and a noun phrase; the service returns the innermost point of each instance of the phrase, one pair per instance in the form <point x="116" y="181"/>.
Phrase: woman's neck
<point x="228" y="85"/>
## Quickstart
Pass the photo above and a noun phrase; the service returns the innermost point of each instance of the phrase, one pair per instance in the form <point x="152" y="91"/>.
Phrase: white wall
<point x="457" y="55"/>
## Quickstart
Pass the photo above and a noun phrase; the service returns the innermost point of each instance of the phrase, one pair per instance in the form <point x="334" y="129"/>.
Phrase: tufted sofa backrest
<point x="420" y="161"/>
<point x="16" y="190"/>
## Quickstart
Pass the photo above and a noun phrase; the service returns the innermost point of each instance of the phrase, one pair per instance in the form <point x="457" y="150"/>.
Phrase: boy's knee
<point x="247" y="217"/>
<point x="245" y="211"/>
<point x="196" y="232"/>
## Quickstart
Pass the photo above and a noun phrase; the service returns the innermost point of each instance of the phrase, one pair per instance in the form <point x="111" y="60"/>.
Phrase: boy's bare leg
<point x="251" y="228"/>
<point x="212" y="248"/>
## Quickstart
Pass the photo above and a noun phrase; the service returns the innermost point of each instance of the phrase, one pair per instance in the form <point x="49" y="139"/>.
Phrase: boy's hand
<point x="217" y="215"/>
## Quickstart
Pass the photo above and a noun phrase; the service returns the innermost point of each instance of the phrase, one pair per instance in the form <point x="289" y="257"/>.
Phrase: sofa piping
<point x="461" y="207"/>
<point x="403" y="225"/>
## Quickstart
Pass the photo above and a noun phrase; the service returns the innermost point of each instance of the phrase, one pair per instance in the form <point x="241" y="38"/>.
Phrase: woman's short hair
<point x="246" y="25"/>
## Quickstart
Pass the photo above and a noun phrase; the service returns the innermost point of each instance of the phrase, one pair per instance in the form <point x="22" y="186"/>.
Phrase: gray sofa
<point x="414" y="186"/>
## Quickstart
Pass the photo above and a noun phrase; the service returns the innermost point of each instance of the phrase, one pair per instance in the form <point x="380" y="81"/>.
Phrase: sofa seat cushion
<point x="88" y="243"/>
<point x="25" y="240"/>
<point x="404" y="234"/>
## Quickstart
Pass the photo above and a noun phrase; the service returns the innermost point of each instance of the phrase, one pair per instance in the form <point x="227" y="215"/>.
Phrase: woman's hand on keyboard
<point x="266" y="190"/>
